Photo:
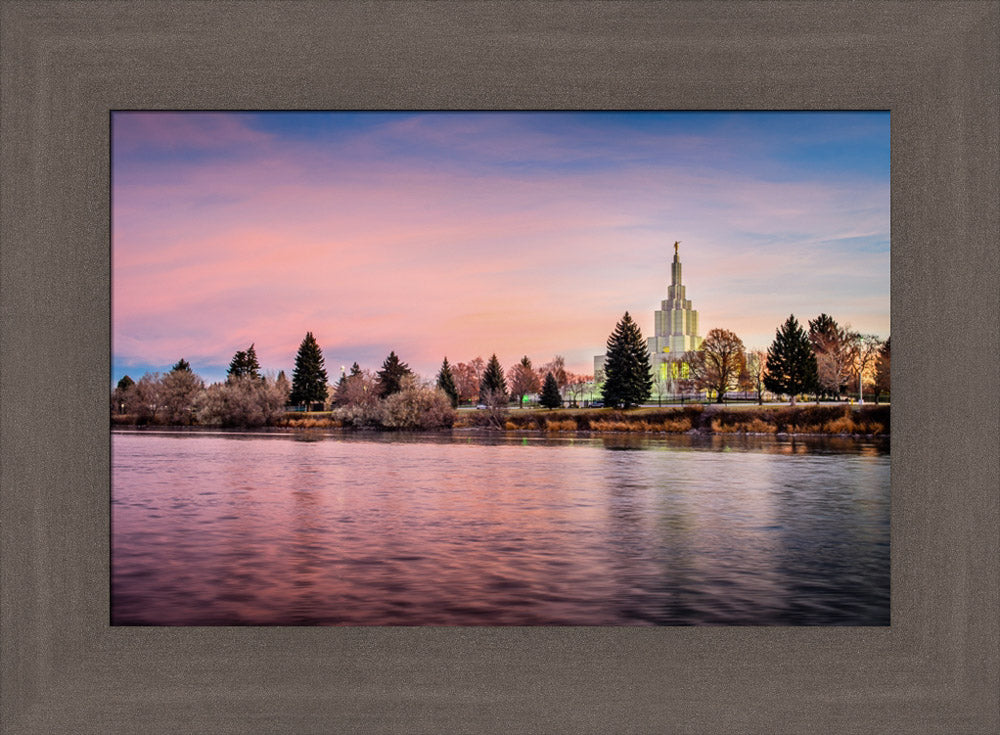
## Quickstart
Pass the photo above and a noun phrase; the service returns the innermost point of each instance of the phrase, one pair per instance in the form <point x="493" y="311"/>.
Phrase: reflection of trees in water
<point x="744" y="443"/>
<point x="624" y="441"/>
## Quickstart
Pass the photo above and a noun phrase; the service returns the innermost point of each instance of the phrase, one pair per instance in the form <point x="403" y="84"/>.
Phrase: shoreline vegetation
<point x="397" y="399"/>
<point x="825" y="420"/>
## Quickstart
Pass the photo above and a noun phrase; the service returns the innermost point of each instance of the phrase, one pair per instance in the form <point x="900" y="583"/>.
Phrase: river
<point x="389" y="529"/>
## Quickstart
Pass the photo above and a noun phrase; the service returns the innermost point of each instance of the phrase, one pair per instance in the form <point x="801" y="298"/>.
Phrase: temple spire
<point x="675" y="272"/>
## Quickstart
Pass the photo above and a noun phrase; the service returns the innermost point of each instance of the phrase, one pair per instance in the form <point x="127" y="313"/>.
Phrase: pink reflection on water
<point x="225" y="530"/>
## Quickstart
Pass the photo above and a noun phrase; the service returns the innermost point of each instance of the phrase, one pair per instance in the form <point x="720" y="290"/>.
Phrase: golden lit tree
<point x="718" y="364"/>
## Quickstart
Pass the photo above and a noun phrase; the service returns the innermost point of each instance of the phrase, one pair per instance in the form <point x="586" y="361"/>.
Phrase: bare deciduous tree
<point x="522" y="380"/>
<point x="241" y="401"/>
<point x="576" y="385"/>
<point x="720" y="361"/>
<point x="882" y="369"/>
<point x="467" y="377"/>
<point x="495" y="403"/>
<point x="556" y="366"/>
<point x="144" y="399"/>
<point x="357" y="389"/>
<point x="832" y="346"/>
<point x="864" y="351"/>
<point x="756" y="361"/>
<point x="179" y="391"/>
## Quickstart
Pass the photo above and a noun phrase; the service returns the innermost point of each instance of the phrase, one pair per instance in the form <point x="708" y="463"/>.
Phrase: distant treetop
<point x="244" y="365"/>
<point x="390" y="377"/>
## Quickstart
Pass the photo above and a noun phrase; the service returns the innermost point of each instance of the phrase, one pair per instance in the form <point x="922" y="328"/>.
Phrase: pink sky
<point x="465" y="235"/>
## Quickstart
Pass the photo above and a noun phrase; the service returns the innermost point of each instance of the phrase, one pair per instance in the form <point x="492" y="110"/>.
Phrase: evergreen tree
<point x="791" y="363"/>
<point x="446" y="382"/>
<point x="355" y="369"/>
<point x="125" y="383"/>
<point x="627" y="379"/>
<point x="550" y="397"/>
<point x="390" y="377"/>
<point x="493" y="386"/>
<point x="244" y="365"/>
<point x="309" y="375"/>
<point x="237" y="365"/>
<point x="253" y="367"/>
<point x="181" y="365"/>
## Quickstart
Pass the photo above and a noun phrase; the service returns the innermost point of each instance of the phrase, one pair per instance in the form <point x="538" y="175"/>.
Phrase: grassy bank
<point x="804" y="419"/>
<point x="711" y="419"/>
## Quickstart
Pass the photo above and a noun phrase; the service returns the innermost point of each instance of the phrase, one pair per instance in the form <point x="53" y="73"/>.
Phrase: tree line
<point x="826" y="362"/>
<point x="393" y="396"/>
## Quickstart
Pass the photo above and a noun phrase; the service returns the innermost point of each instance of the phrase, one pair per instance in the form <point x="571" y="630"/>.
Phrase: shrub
<point x="416" y="407"/>
<point x="144" y="399"/>
<point x="242" y="402"/>
<point x="358" y="415"/>
<point x="178" y="393"/>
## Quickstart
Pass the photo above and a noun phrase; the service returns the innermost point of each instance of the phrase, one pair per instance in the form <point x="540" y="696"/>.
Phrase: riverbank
<point x="709" y="419"/>
<point x="827" y="420"/>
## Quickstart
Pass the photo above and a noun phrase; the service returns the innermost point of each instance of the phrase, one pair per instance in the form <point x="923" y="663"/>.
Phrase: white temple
<point x="675" y="323"/>
<point x="675" y="328"/>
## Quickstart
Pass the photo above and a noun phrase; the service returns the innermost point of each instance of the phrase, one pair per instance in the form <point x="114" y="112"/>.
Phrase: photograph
<point x="520" y="368"/>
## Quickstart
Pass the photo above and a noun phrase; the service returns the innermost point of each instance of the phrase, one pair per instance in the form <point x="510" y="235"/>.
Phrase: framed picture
<point x="410" y="490"/>
<point x="67" y="669"/>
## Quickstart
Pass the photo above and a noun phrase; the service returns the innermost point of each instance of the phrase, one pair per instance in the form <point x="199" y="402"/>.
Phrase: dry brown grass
<point x="602" y="425"/>
<point x="314" y="423"/>
<point x="759" y="426"/>
<point x="566" y="425"/>
<point x="671" y="426"/>
<point x="831" y="420"/>
<point x="843" y="425"/>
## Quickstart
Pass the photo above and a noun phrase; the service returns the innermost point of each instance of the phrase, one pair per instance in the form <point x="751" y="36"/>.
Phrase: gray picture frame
<point x="65" y="65"/>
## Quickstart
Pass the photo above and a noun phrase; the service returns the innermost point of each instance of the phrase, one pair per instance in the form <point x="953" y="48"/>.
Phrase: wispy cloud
<point x="469" y="234"/>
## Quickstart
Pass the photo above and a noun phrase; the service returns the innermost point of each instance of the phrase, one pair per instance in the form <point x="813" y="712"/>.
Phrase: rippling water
<point x="217" y="529"/>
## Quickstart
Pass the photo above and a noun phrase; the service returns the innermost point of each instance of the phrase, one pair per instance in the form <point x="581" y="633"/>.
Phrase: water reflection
<point x="514" y="530"/>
